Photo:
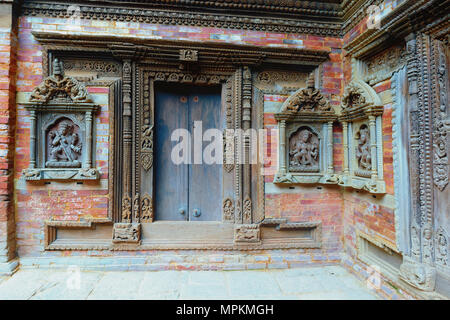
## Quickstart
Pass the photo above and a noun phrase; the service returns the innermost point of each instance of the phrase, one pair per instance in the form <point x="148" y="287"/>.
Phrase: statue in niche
<point x="363" y="154"/>
<point x="64" y="146"/>
<point x="304" y="150"/>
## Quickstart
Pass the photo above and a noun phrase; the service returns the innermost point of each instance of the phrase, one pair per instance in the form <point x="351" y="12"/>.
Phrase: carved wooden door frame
<point x="189" y="62"/>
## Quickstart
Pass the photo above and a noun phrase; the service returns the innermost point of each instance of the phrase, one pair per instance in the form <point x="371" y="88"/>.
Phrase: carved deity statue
<point x="304" y="149"/>
<point x="363" y="154"/>
<point x="65" y="146"/>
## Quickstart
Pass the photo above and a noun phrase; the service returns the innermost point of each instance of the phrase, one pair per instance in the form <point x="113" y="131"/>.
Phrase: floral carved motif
<point x="308" y="99"/>
<point x="59" y="87"/>
<point x="353" y="97"/>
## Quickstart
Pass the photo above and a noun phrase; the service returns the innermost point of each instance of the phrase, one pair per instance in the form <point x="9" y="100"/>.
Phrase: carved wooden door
<point x="188" y="191"/>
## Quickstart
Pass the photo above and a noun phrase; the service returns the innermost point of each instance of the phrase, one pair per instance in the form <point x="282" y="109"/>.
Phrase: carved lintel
<point x="247" y="233"/>
<point x="418" y="275"/>
<point x="127" y="232"/>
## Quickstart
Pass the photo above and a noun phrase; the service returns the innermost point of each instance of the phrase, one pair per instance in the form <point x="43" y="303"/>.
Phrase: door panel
<point x="205" y="180"/>
<point x="194" y="186"/>
<point x="171" y="189"/>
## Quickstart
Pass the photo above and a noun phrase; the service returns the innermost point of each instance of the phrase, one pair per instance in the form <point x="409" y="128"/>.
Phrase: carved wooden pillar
<point x="127" y="141"/>
<point x="282" y="142"/>
<point x="330" y="169"/>
<point x="88" y="162"/>
<point x="33" y="139"/>
<point x="373" y="147"/>
<point x="246" y="125"/>
<point x="345" y="146"/>
<point x="237" y="146"/>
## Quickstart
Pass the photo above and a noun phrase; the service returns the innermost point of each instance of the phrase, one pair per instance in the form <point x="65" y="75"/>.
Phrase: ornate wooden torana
<point x="361" y="112"/>
<point x="61" y="135"/>
<point x="305" y="123"/>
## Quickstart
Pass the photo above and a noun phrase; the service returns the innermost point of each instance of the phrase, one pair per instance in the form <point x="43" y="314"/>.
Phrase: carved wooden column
<point x="238" y="146"/>
<point x="417" y="269"/>
<point x="32" y="139"/>
<point x="88" y="162"/>
<point x="127" y="140"/>
<point x="282" y="142"/>
<point x="246" y="125"/>
<point x="373" y="147"/>
<point x="330" y="169"/>
<point x="345" y="146"/>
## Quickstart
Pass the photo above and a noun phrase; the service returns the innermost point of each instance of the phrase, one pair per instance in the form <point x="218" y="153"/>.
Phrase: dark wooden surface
<point x="183" y="186"/>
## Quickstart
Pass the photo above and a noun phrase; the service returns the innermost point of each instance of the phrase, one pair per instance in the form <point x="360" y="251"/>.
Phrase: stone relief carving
<point x="64" y="145"/>
<point x="440" y="158"/>
<point x="441" y="247"/>
<point x="147" y="208"/>
<point x="382" y="66"/>
<point x="126" y="232"/>
<point x="228" y="210"/>
<point x="61" y="147"/>
<point x="304" y="151"/>
<point x="126" y="209"/>
<point x="362" y="150"/>
<point x="247" y="233"/>
<point x="419" y="275"/>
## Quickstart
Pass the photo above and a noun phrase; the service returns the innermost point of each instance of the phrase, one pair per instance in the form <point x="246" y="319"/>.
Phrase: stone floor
<point x="320" y="283"/>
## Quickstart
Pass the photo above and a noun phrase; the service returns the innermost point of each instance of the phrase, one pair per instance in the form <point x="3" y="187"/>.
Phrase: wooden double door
<point x="191" y="190"/>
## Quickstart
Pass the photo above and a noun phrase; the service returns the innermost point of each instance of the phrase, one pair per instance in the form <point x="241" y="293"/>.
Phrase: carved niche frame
<point x="61" y="129"/>
<point x="306" y="111"/>
<point x="361" y="112"/>
<point x="143" y="63"/>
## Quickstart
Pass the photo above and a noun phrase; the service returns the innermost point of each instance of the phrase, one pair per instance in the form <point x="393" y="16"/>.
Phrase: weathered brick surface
<point x="8" y="56"/>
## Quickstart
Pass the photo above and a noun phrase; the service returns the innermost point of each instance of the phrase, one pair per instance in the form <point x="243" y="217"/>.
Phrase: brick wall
<point x="8" y="47"/>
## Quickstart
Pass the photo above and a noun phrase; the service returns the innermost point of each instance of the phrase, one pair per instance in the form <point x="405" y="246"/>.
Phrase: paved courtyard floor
<point x="319" y="283"/>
